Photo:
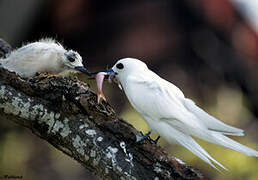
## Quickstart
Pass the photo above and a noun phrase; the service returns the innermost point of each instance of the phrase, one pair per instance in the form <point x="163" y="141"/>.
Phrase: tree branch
<point x="63" y="111"/>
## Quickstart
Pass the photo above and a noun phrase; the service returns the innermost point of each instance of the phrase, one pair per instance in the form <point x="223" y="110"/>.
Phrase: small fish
<point x="110" y="76"/>
<point x="99" y="80"/>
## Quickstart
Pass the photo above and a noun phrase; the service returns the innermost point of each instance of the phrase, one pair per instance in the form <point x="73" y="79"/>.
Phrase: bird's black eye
<point x="71" y="59"/>
<point x="119" y="66"/>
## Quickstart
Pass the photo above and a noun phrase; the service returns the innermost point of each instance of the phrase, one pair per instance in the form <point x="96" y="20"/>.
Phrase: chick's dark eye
<point x="71" y="59"/>
<point x="119" y="66"/>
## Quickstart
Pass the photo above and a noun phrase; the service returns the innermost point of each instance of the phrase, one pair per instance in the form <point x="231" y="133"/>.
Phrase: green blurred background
<point x="209" y="49"/>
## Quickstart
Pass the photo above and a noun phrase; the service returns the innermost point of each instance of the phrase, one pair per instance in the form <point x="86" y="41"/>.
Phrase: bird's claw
<point x="155" y="141"/>
<point x="140" y="137"/>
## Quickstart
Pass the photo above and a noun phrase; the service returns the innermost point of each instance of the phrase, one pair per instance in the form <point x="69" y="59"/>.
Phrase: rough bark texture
<point x="5" y="48"/>
<point x="63" y="111"/>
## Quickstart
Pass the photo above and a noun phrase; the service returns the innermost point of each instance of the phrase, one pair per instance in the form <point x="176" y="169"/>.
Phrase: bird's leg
<point x="155" y="141"/>
<point x="141" y="136"/>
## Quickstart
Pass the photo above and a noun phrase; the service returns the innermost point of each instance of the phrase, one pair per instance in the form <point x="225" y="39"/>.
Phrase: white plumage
<point x="167" y="112"/>
<point x="45" y="55"/>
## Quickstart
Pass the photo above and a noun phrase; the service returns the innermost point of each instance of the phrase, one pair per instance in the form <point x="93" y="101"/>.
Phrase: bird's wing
<point x="34" y="57"/>
<point x="200" y="115"/>
<point x="161" y="99"/>
<point x="156" y="98"/>
<point x="209" y="121"/>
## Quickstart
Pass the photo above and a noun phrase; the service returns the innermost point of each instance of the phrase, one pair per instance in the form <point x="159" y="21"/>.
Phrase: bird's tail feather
<point x="189" y="143"/>
<point x="230" y="143"/>
<point x="216" y="129"/>
<point x="195" y="148"/>
<point x="222" y="140"/>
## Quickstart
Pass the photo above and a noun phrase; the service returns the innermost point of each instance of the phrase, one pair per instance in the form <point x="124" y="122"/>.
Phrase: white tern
<point x="45" y="55"/>
<point x="170" y="114"/>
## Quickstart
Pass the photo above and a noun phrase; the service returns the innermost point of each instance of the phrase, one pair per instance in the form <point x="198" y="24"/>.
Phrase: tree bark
<point x="64" y="112"/>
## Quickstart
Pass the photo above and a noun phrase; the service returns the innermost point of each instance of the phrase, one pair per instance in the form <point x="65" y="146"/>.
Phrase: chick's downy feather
<point x="45" y="55"/>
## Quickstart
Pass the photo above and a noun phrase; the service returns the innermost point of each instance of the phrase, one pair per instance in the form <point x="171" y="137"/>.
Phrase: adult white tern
<point x="45" y="55"/>
<point x="170" y="114"/>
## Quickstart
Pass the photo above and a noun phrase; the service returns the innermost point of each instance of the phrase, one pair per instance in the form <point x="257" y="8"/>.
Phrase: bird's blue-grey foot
<point x="140" y="137"/>
<point x="155" y="141"/>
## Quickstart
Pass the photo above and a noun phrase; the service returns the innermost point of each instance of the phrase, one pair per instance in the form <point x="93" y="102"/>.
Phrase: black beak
<point x="83" y="70"/>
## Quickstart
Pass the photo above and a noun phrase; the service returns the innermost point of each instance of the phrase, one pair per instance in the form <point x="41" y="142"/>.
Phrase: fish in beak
<point x="110" y="75"/>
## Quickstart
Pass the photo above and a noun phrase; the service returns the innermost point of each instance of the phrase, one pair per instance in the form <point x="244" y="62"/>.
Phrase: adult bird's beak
<point x="85" y="71"/>
<point x="111" y="78"/>
<point x="109" y="71"/>
<point x="111" y="74"/>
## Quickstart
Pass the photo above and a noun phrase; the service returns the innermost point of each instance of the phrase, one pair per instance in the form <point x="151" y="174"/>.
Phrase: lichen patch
<point x="111" y="154"/>
<point x="79" y="145"/>
<point x="99" y="139"/>
<point x="91" y="132"/>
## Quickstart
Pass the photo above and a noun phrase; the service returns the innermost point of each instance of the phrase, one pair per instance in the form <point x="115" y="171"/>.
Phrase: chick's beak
<point x="83" y="70"/>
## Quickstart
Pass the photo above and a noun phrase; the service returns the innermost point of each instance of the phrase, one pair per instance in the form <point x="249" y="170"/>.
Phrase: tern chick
<point x="45" y="55"/>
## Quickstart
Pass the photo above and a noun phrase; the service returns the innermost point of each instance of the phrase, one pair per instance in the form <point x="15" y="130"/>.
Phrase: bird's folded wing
<point x="209" y="121"/>
<point x="160" y="99"/>
<point x="168" y="102"/>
